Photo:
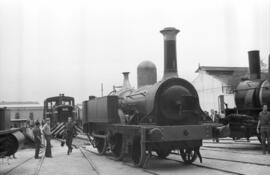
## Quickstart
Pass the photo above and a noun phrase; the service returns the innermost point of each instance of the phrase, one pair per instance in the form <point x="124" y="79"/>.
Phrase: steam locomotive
<point x="250" y="96"/>
<point x="157" y="117"/>
<point x="58" y="109"/>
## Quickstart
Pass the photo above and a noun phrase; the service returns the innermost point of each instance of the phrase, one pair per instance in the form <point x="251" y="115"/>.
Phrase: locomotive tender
<point x="158" y="116"/>
<point x="250" y="96"/>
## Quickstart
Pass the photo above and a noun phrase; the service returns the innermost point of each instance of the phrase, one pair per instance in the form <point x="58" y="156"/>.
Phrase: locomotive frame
<point x="138" y="141"/>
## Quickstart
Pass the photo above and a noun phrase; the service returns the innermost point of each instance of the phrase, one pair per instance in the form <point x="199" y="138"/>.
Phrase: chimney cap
<point x="253" y="51"/>
<point x="169" y="29"/>
<point x="169" y="33"/>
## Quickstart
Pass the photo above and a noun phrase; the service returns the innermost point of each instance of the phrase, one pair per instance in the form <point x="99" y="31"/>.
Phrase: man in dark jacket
<point x="263" y="128"/>
<point x="69" y="133"/>
<point x="37" y="139"/>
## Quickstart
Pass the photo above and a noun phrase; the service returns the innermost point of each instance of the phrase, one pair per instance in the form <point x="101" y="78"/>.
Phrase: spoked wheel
<point x="188" y="155"/>
<point x="101" y="145"/>
<point x="163" y="153"/>
<point x="138" y="152"/>
<point x="117" y="146"/>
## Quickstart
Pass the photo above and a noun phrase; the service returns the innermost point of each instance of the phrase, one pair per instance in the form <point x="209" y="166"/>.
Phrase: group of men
<point x="46" y="131"/>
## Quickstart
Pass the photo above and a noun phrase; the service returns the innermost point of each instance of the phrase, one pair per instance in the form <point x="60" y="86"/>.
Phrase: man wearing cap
<point x="47" y="134"/>
<point x="264" y="124"/>
<point x="37" y="139"/>
<point x="69" y="132"/>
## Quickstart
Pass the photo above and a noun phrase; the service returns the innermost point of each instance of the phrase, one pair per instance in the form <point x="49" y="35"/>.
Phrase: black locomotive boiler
<point x="250" y="95"/>
<point x="158" y="116"/>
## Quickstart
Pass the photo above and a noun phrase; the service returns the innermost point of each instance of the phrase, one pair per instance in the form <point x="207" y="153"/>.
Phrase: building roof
<point x="21" y="104"/>
<point x="214" y="68"/>
<point x="229" y="75"/>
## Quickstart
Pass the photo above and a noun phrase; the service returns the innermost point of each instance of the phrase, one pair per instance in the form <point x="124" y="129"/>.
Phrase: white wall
<point x="25" y="111"/>
<point x="209" y="88"/>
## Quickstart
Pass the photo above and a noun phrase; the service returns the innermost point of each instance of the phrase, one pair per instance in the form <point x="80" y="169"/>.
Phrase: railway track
<point x="230" y="160"/>
<point x="233" y="148"/>
<point x="207" y="148"/>
<point x="236" y="161"/>
<point x="218" y="149"/>
<point x="230" y="143"/>
<point x="90" y="161"/>
<point x="223" y="160"/>
<point x="24" y="162"/>
<point x="208" y="167"/>
<point x="148" y="171"/>
<point x="125" y="163"/>
<point x="17" y="166"/>
<point x="37" y="170"/>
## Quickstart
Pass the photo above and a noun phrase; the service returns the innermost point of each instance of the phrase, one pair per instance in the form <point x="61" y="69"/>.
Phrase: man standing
<point x="37" y="139"/>
<point x="31" y="120"/>
<point x="47" y="134"/>
<point x="69" y="132"/>
<point x="264" y="124"/>
<point x="42" y="134"/>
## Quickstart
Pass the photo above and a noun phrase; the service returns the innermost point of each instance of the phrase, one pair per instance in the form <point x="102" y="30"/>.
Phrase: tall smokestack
<point x="268" y="76"/>
<point x="170" y="60"/>
<point x="254" y="64"/>
<point x="126" y="83"/>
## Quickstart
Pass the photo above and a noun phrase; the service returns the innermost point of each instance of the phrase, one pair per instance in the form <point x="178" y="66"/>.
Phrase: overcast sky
<point x="59" y="46"/>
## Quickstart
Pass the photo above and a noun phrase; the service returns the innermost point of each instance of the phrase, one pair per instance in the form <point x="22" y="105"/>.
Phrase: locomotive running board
<point x="178" y="133"/>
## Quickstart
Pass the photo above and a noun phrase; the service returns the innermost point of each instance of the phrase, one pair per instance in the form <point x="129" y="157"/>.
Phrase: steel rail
<point x="90" y="162"/>
<point x="20" y="164"/>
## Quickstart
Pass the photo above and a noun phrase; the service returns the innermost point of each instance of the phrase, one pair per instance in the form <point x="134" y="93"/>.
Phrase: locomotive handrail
<point x="141" y="93"/>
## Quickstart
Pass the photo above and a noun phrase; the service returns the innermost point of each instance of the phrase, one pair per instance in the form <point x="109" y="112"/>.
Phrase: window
<point x="17" y="115"/>
<point x="227" y="89"/>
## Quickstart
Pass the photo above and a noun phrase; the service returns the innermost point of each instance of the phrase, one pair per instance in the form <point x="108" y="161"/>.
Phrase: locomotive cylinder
<point x="254" y="64"/>
<point x="170" y="60"/>
<point x="146" y="74"/>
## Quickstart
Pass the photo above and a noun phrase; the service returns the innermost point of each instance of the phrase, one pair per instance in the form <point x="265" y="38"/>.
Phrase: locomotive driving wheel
<point x="138" y="152"/>
<point x="163" y="153"/>
<point x="101" y="145"/>
<point x="117" y="146"/>
<point x="188" y="155"/>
